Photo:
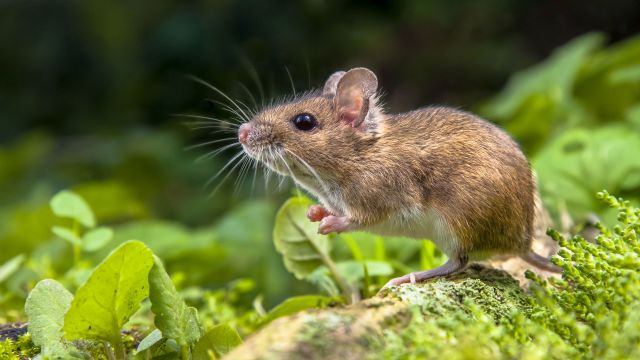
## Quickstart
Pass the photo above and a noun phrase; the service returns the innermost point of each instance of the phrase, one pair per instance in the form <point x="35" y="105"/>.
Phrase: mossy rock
<point x="366" y="329"/>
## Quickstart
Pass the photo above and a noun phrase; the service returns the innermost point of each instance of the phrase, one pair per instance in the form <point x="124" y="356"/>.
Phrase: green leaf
<point x="296" y="238"/>
<point x="46" y="307"/>
<point x="366" y="282"/>
<point x="295" y="304"/>
<point x="68" y="204"/>
<point x="11" y="266"/>
<point x="111" y="295"/>
<point x="353" y="270"/>
<point x="553" y="77"/>
<point x="153" y="338"/>
<point x="96" y="239"/>
<point x="173" y="317"/>
<point x="570" y="168"/>
<point x="66" y="234"/>
<point x="321" y="278"/>
<point x="220" y="339"/>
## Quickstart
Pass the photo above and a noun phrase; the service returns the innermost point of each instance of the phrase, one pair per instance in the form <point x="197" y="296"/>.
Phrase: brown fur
<point x="470" y="171"/>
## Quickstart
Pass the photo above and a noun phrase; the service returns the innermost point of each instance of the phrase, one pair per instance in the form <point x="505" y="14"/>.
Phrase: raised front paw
<point x="334" y="223"/>
<point x="317" y="213"/>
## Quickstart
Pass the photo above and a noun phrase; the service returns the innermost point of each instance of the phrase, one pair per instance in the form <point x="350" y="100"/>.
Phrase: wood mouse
<point x="434" y="173"/>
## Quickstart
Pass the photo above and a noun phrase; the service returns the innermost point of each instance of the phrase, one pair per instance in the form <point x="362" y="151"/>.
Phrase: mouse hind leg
<point x="453" y="265"/>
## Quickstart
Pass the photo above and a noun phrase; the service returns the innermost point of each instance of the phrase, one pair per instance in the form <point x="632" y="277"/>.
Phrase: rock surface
<point x="359" y="331"/>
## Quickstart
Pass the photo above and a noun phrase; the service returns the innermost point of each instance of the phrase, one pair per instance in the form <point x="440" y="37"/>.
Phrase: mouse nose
<point x="243" y="133"/>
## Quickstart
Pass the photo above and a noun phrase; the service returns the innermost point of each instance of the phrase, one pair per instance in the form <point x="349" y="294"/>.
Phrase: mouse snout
<point x="243" y="133"/>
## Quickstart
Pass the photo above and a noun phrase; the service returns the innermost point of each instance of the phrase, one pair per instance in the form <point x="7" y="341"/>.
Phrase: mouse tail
<point x="541" y="262"/>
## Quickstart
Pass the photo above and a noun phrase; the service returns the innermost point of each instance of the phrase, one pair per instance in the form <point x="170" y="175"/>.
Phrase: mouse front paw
<point x="334" y="223"/>
<point x="317" y="213"/>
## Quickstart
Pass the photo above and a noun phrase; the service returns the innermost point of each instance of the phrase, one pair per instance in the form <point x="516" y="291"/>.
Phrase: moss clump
<point x="593" y="312"/>
<point x="20" y="348"/>
<point x="493" y="291"/>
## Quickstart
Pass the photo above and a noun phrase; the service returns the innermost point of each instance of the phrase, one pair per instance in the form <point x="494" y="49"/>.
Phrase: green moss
<point x="593" y="312"/>
<point x="14" y="349"/>
<point x="493" y="291"/>
<point x="317" y="338"/>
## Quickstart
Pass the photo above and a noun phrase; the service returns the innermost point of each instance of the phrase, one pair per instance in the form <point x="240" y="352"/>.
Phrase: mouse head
<point x="320" y="135"/>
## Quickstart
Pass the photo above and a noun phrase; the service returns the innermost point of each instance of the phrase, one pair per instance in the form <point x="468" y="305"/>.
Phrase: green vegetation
<point x="164" y="270"/>
<point x="591" y="313"/>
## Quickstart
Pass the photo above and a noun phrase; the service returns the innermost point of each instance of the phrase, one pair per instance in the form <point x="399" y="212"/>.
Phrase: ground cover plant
<point x="118" y="268"/>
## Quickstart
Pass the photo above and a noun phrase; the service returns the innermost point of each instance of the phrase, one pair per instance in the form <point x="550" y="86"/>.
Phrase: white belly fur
<point x="419" y="224"/>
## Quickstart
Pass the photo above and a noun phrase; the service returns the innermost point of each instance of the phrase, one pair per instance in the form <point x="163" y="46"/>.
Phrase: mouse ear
<point x="332" y="83"/>
<point x="353" y="95"/>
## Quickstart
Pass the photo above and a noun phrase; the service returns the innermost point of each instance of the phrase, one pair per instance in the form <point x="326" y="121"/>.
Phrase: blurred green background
<point x="89" y="88"/>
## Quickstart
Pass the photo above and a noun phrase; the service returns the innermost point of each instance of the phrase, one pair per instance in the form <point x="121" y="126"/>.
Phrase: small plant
<point x="66" y="325"/>
<point x="308" y="255"/>
<point x="83" y="234"/>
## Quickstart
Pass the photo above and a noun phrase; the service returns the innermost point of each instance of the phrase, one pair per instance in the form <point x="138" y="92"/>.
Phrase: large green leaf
<point x="296" y="238"/>
<point x="554" y="77"/>
<point x="70" y="205"/>
<point x="581" y="162"/>
<point x="173" y="317"/>
<point x="540" y="99"/>
<point x="46" y="307"/>
<point x="111" y="295"/>
<point x="220" y="340"/>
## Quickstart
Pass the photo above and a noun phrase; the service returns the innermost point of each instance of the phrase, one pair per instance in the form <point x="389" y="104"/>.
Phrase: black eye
<point x="304" y="122"/>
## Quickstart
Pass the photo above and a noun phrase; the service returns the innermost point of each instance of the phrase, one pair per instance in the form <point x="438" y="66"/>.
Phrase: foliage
<point x="46" y="307"/>
<point x="174" y="318"/>
<point x="576" y="113"/>
<point x="106" y="302"/>
<point x="217" y="342"/>
<point x="591" y="313"/>
<point x="111" y="295"/>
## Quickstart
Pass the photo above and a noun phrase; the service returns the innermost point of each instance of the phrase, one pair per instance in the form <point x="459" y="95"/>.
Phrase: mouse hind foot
<point x="452" y="266"/>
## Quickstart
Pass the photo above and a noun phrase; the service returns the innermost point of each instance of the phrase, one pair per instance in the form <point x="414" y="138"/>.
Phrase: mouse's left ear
<point x="331" y="85"/>
<point x="354" y="95"/>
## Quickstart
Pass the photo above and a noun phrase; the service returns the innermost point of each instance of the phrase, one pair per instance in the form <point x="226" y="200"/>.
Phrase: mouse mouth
<point x="280" y="160"/>
<point x="270" y="156"/>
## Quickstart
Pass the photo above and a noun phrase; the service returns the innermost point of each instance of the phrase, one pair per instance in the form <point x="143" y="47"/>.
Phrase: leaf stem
<point x="326" y="259"/>
<point x="76" y="248"/>
<point x="109" y="351"/>
<point x="184" y="352"/>
<point x="342" y="283"/>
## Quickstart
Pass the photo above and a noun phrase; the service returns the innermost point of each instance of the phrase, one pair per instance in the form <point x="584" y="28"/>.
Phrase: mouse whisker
<point x="214" y="153"/>
<point x="239" y="117"/>
<point x="254" y="102"/>
<point x="222" y="93"/>
<point x="291" y="174"/>
<point x="209" y="143"/>
<point x="241" y="173"/>
<point x="293" y="87"/>
<point x="209" y="120"/>
<point x="310" y="168"/>
<point x="250" y="111"/>
<point x="231" y="161"/>
<point x="253" y="73"/>
<point x="225" y="178"/>
<point x="255" y="173"/>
